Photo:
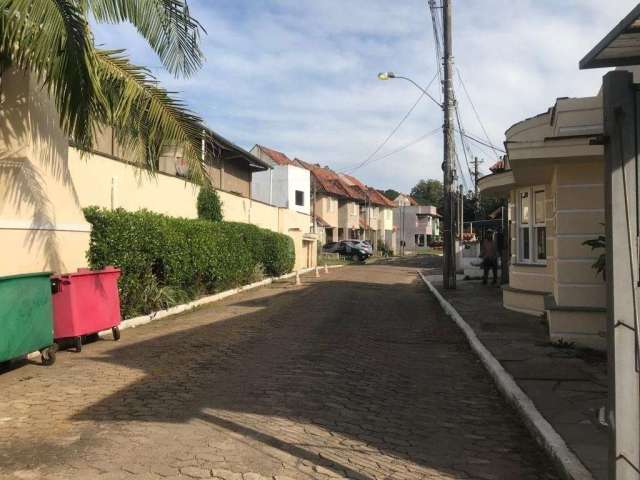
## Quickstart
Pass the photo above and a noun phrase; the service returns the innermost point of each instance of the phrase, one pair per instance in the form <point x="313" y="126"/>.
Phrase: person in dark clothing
<point x="489" y="254"/>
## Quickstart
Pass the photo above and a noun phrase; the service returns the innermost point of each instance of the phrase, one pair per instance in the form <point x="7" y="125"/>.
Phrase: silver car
<point x="363" y="244"/>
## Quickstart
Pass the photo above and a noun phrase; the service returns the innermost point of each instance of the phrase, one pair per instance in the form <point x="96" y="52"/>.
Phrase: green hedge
<point x="166" y="260"/>
<point x="209" y="205"/>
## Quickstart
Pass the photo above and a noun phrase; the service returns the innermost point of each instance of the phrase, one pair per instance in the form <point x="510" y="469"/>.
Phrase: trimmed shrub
<point x="209" y="205"/>
<point x="167" y="260"/>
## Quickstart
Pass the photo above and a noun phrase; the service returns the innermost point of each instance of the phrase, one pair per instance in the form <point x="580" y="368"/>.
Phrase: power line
<point x="464" y="144"/>
<point x="410" y="144"/>
<point x="495" y="149"/>
<point x="395" y="129"/>
<point x="475" y="111"/>
<point x="436" y="37"/>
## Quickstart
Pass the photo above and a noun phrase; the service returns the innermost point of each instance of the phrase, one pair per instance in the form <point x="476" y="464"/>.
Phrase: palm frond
<point x="51" y="39"/>
<point x="146" y="117"/>
<point x="166" y="24"/>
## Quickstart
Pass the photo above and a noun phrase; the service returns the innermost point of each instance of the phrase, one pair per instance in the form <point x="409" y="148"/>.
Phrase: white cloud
<point x="301" y="75"/>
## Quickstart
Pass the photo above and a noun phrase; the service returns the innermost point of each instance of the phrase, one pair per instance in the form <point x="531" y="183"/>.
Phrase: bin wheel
<point x="48" y="355"/>
<point x="116" y="333"/>
<point x="77" y="343"/>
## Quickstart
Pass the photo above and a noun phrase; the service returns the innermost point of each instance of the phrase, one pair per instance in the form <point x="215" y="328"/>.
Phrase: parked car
<point x="353" y="250"/>
<point x="364" y="244"/>
<point x="331" y="247"/>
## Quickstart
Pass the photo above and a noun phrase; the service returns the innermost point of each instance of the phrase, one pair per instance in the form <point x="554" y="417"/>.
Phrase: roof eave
<point x="590" y="60"/>
<point x="255" y="164"/>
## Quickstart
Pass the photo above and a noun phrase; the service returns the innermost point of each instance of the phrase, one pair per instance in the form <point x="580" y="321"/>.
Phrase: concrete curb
<point x="152" y="317"/>
<point x="567" y="462"/>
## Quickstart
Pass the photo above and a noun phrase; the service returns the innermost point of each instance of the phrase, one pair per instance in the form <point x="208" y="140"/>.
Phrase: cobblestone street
<point x="355" y="375"/>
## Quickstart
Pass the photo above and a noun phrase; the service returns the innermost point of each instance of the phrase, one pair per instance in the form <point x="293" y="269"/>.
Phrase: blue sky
<point x="300" y="75"/>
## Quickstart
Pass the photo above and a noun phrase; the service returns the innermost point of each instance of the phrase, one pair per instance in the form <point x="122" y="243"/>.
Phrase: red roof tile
<point x="329" y="181"/>
<point x="278" y="157"/>
<point x="497" y="167"/>
<point x="379" y="199"/>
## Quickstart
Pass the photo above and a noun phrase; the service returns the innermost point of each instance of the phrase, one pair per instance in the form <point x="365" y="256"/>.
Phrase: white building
<point x="285" y="185"/>
<point x="417" y="226"/>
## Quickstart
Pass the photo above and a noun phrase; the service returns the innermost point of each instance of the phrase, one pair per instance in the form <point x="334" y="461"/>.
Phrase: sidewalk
<point x="567" y="385"/>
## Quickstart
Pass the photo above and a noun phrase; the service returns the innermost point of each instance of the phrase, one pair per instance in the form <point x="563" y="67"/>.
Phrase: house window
<point x="299" y="198"/>
<point x="532" y="230"/>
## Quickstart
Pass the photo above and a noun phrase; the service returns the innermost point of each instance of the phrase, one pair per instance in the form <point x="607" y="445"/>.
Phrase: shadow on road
<point x="357" y="375"/>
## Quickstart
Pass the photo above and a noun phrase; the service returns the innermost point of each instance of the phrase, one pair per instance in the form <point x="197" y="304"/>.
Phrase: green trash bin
<point x="26" y="320"/>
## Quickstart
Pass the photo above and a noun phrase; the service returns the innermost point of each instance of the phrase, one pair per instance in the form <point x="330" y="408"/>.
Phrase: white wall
<point x="278" y="187"/>
<point x="299" y="179"/>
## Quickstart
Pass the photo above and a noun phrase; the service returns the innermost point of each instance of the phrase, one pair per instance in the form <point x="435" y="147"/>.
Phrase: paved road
<point x="355" y="375"/>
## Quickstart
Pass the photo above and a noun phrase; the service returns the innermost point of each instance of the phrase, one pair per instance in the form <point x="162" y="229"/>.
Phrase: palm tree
<point x="93" y="87"/>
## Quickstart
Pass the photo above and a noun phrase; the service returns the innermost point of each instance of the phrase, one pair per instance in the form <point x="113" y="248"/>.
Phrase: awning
<point x="321" y="222"/>
<point x="620" y="47"/>
<point x="309" y="237"/>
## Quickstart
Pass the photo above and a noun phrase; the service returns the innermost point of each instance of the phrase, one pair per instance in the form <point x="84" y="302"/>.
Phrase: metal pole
<point x="313" y="205"/>
<point x="461" y="213"/>
<point x="449" y="263"/>
<point x="402" y="239"/>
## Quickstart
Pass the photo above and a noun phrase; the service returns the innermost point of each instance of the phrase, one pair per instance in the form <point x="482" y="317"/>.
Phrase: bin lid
<point x="87" y="271"/>
<point x="26" y="275"/>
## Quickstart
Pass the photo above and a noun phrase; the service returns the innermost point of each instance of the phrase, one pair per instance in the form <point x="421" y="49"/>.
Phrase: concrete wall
<point x="386" y="219"/>
<point x="270" y="186"/>
<point x="579" y="217"/>
<point x="278" y="187"/>
<point x="44" y="185"/>
<point x="299" y="179"/>
<point x="41" y="229"/>
<point x="348" y="216"/>
<point x="327" y="208"/>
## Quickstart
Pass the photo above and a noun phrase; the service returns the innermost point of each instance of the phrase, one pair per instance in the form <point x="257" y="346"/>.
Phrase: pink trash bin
<point x="85" y="302"/>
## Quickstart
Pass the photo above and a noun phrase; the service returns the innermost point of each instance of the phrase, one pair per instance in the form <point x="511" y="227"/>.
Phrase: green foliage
<point x="209" y="205"/>
<point x="428" y="192"/>
<point x="480" y="210"/>
<point x="92" y="87"/>
<point x="600" y="264"/>
<point x="166" y="260"/>
<point x="391" y="194"/>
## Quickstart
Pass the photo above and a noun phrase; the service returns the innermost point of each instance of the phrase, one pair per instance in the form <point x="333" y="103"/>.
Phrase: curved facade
<point x="553" y="179"/>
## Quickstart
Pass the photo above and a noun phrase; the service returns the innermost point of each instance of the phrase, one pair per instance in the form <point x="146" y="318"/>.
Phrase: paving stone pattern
<point x="567" y="385"/>
<point x="355" y="375"/>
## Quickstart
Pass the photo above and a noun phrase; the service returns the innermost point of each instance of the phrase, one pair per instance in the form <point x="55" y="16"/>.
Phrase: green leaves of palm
<point x="93" y="87"/>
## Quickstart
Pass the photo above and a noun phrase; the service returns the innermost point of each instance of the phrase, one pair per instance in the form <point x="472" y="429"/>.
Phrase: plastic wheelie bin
<point x="84" y="303"/>
<point x="25" y="317"/>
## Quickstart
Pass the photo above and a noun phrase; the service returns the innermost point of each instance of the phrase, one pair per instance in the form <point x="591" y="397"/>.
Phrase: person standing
<point x="489" y="254"/>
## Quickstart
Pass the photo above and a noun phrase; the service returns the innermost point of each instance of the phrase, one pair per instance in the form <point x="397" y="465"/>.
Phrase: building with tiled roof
<point x="286" y="184"/>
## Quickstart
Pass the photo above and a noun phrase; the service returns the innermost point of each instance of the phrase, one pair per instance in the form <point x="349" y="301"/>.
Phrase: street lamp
<point x="449" y="260"/>
<point x="390" y="75"/>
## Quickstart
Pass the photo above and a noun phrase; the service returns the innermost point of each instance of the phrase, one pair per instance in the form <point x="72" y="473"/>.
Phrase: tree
<point x="390" y="193"/>
<point x="93" y="87"/>
<point x="480" y="211"/>
<point x="428" y="192"/>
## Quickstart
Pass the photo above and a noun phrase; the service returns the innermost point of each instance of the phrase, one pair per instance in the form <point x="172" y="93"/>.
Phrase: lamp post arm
<point x="421" y="89"/>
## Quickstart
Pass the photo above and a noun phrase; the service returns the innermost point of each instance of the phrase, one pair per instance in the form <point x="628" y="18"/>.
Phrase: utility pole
<point x="461" y="214"/>
<point x="449" y="250"/>
<point x="476" y="189"/>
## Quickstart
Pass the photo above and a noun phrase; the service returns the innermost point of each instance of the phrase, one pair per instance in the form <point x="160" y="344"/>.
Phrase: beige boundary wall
<point x="44" y="184"/>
